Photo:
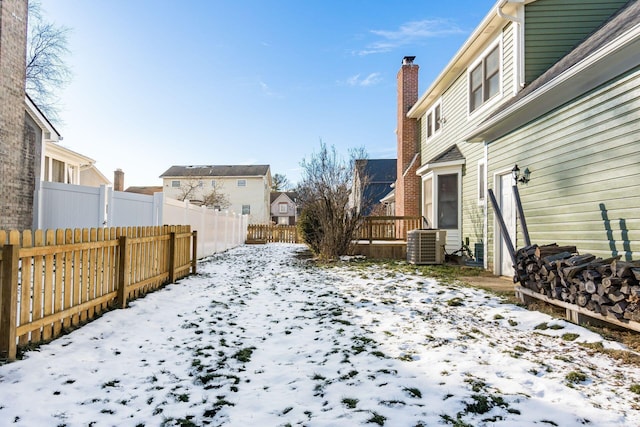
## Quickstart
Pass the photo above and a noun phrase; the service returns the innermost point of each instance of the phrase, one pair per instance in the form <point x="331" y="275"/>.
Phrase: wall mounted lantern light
<point x="520" y="177"/>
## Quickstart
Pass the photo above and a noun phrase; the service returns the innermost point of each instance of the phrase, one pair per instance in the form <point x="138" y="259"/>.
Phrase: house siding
<point x="553" y="28"/>
<point x="455" y="109"/>
<point x="584" y="160"/>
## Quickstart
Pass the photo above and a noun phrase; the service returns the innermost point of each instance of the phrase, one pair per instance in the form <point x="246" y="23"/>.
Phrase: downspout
<point x="518" y="42"/>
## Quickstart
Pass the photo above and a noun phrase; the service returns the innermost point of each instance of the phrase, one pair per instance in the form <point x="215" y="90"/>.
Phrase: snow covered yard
<point x="262" y="338"/>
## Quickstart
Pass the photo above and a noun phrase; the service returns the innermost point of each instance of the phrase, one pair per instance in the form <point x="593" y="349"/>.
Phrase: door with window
<point x="441" y="204"/>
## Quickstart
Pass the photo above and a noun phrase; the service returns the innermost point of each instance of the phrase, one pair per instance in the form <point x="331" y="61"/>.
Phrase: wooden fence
<point x="388" y="227"/>
<point x="59" y="279"/>
<point x="261" y="233"/>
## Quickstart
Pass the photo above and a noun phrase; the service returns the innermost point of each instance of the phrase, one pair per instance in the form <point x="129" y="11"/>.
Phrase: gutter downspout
<point x="518" y="42"/>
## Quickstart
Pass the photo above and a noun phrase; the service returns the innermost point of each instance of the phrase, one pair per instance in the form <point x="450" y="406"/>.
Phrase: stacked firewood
<point x="610" y="287"/>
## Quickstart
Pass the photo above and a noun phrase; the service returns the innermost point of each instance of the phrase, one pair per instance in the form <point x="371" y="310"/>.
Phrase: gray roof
<point x="451" y="154"/>
<point x="290" y="194"/>
<point x="216" y="170"/>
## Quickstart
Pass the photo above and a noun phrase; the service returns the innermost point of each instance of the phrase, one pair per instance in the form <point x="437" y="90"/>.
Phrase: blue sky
<point x="159" y="83"/>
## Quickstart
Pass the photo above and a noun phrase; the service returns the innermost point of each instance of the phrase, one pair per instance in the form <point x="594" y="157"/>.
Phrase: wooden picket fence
<point x="55" y="280"/>
<point x="387" y="227"/>
<point x="267" y="233"/>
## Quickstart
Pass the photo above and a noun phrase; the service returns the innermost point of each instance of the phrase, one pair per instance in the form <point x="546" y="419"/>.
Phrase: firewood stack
<point x="610" y="287"/>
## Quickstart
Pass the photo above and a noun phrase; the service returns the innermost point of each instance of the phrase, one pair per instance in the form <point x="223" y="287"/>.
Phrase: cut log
<point x="590" y="287"/>
<point x="600" y="299"/>
<point x="582" y="299"/>
<point x="619" y="307"/>
<point x="616" y="296"/>
<point x="608" y="282"/>
<point x="636" y="273"/>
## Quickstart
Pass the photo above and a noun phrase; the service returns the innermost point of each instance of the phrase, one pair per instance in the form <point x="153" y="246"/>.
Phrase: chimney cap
<point x="408" y="60"/>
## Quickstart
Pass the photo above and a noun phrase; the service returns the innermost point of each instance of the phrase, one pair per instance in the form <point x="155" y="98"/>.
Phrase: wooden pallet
<point x="575" y="313"/>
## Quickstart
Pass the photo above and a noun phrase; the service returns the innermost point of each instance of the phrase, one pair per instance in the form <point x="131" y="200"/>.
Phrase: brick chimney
<point x="407" y="182"/>
<point x="118" y="180"/>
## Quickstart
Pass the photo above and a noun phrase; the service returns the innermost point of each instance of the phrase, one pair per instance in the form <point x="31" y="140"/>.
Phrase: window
<point x="175" y="184"/>
<point x="213" y="184"/>
<point x="283" y="208"/>
<point x="283" y="220"/>
<point x="427" y="209"/>
<point x="434" y="120"/>
<point x="448" y="201"/>
<point x="246" y="209"/>
<point x="484" y="79"/>
<point x="242" y="183"/>
<point x="481" y="182"/>
<point x="200" y="184"/>
<point x="57" y="174"/>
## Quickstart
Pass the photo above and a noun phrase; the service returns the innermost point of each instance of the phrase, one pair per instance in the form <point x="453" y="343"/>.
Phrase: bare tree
<point x="192" y="189"/>
<point x="328" y="221"/>
<point x="46" y="70"/>
<point x="279" y="182"/>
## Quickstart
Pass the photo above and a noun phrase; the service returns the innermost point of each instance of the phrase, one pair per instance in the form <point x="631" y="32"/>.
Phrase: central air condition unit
<point x="426" y="246"/>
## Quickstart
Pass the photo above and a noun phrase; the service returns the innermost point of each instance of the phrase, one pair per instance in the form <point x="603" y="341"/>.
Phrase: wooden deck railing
<point x="267" y="233"/>
<point x="59" y="279"/>
<point x="387" y="227"/>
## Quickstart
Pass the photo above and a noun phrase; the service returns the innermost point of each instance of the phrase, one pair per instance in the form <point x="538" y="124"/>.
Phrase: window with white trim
<point x="246" y="209"/>
<point x="283" y="207"/>
<point x="434" y="120"/>
<point x="175" y="184"/>
<point x="484" y="78"/>
<point x="242" y="183"/>
<point x="482" y="182"/>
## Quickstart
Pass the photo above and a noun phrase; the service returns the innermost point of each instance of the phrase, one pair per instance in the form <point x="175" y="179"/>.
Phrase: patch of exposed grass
<point x="413" y="392"/>
<point x="350" y="403"/>
<point x="570" y="336"/>
<point x="377" y="419"/>
<point x="455" y="302"/>
<point x="575" y="377"/>
<point x="635" y="388"/>
<point x="244" y="355"/>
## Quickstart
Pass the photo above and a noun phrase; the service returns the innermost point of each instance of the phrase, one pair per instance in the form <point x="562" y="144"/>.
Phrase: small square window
<point x="242" y="183"/>
<point x="175" y="184"/>
<point x="246" y="209"/>
<point x="283" y="208"/>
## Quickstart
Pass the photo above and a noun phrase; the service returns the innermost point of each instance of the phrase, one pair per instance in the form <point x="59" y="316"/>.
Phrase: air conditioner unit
<point x="426" y="246"/>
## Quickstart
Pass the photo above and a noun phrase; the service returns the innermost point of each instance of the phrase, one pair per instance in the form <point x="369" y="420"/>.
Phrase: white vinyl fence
<point x="75" y="206"/>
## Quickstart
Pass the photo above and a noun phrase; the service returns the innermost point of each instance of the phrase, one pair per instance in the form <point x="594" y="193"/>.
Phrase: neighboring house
<point x="284" y="210"/>
<point x="57" y="163"/>
<point x="373" y="179"/>
<point x="17" y="156"/>
<point x="149" y="190"/>
<point x="247" y="187"/>
<point x="552" y="86"/>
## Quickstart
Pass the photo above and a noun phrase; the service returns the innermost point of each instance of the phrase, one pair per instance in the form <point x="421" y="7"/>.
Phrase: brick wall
<point x="407" y="191"/>
<point x="17" y="151"/>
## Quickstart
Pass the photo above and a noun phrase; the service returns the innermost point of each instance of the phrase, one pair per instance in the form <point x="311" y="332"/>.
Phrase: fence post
<point x="172" y="257"/>
<point x="158" y="205"/>
<point x="194" y="259"/>
<point x="123" y="272"/>
<point x="9" y="289"/>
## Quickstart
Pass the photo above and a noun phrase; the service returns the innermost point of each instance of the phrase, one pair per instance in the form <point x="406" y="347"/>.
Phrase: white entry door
<point x="508" y="209"/>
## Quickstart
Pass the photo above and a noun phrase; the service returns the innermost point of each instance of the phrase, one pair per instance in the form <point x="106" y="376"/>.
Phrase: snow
<point x="262" y="337"/>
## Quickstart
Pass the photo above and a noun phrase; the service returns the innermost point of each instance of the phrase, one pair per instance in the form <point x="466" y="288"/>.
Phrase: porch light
<point x="523" y="178"/>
